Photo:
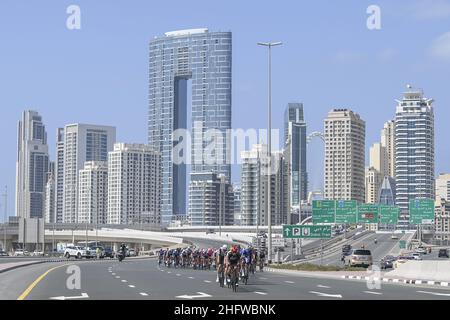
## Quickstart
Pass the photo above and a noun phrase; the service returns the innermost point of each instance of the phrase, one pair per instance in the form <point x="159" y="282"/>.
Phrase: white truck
<point x="77" y="252"/>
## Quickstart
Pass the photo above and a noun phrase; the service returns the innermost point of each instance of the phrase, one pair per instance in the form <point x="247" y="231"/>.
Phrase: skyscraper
<point x="211" y="201"/>
<point x="32" y="166"/>
<point x="59" y="176"/>
<point x="373" y="184"/>
<point x="345" y="134"/>
<point x="295" y="133"/>
<point x="388" y="143"/>
<point x="443" y="186"/>
<point x="414" y="150"/>
<point x="82" y="143"/>
<point x="387" y="191"/>
<point x="204" y="58"/>
<point x="93" y="192"/>
<point x="254" y="187"/>
<point x="134" y="184"/>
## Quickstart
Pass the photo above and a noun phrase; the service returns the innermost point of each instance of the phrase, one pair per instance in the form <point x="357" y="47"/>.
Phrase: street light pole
<point x="269" y="145"/>
<point x="6" y="218"/>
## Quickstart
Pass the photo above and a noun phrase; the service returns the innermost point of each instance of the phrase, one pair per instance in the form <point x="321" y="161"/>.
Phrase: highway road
<point x="143" y="279"/>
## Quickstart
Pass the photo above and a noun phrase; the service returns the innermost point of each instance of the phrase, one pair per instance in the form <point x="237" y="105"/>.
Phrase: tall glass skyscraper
<point x="414" y="150"/>
<point x="295" y="133"/>
<point x="32" y="166"/>
<point x="204" y="58"/>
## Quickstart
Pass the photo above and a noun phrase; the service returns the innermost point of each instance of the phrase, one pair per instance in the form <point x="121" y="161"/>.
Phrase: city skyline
<point x="315" y="106"/>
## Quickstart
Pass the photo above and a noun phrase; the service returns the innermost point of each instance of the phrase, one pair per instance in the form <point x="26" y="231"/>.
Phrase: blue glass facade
<point x="204" y="58"/>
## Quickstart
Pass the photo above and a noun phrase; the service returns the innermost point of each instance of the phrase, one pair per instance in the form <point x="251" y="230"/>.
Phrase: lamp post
<point x="5" y="204"/>
<point x="269" y="45"/>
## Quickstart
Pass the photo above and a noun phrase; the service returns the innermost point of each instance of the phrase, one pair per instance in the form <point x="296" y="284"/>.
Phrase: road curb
<point x="395" y="280"/>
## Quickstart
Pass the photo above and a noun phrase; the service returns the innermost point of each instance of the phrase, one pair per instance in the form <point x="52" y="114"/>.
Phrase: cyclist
<point x="220" y="260"/>
<point x="262" y="256"/>
<point x="232" y="262"/>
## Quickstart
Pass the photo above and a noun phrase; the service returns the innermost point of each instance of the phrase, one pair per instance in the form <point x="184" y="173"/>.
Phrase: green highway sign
<point x="323" y="211"/>
<point x="389" y="214"/>
<point x="421" y="211"/>
<point x="346" y="211"/>
<point x="402" y="244"/>
<point x="368" y="213"/>
<point x="296" y="231"/>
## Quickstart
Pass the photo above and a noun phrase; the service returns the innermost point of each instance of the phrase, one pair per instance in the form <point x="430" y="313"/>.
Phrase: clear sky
<point x="99" y="74"/>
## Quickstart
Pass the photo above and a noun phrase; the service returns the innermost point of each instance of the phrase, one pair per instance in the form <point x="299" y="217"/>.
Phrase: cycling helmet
<point x="234" y="249"/>
<point x="224" y="247"/>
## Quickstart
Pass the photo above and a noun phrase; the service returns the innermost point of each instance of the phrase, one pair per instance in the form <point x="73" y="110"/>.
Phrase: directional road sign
<point x="323" y="211"/>
<point x="389" y="214"/>
<point x="368" y="213"/>
<point x="346" y="211"/>
<point x="421" y="211"/>
<point x="296" y="231"/>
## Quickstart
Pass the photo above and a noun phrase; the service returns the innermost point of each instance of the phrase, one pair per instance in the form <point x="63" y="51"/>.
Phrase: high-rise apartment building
<point x="414" y="151"/>
<point x="254" y="175"/>
<point x="378" y="159"/>
<point x="388" y="143"/>
<point x="32" y="166"/>
<point x="82" y="143"/>
<point x="204" y="58"/>
<point x="442" y="220"/>
<point x="211" y="200"/>
<point x="49" y="205"/>
<point x="59" y="176"/>
<point x="344" y="133"/>
<point x="443" y="186"/>
<point x="295" y="139"/>
<point x="93" y="192"/>
<point x="134" y="184"/>
<point x="373" y="184"/>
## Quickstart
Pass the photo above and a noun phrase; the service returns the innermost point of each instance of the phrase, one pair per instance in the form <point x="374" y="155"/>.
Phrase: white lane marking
<point x="110" y="271"/>
<point x="178" y="275"/>
<point x="289" y="281"/>
<point x="124" y="281"/>
<point x="117" y="277"/>
<point x="373" y="292"/>
<point x="131" y="286"/>
<point x="191" y="277"/>
<point x="113" y="274"/>
<point x="261" y="278"/>
<point x="435" y="293"/>
<point x="200" y="295"/>
<point x="83" y="296"/>
<point x="261" y="293"/>
<point x="143" y="294"/>
<point x="322" y="286"/>
<point x="321" y="294"/>
<point x="169" y="272"/>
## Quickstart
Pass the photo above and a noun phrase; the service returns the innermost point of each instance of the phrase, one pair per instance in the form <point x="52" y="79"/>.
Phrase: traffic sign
<point x="402" y="244"/>
<point x="346" y="211"/>
<point x="323" y="211"/>
<point x="296" y="231"/>
<point x="368" y="213"/>
<point x="389" y="214"/>
<point x="421" y="211"/>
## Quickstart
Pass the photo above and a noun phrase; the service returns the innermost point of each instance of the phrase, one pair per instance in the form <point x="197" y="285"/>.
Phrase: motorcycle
<point x="120" y="256"/>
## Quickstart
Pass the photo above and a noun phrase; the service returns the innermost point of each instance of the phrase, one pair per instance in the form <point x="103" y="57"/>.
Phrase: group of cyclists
<point x="232" y="264"/>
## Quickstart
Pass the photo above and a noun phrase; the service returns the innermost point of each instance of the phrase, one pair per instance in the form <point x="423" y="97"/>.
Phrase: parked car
<point x="37" y="253"/>
<point x="131" y="253"/>
<point x="443" y="253"/>
<point x="416" y="256"/>
<point x="359" y="257"/>
<point x="4" y="254"/>
<point x="387" y="262"/>
<point x="20" y="253"/>
<point x="76" y="251"/>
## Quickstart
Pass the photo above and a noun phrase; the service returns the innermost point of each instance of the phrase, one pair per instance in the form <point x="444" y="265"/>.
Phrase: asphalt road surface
<point x="143" y="279"/>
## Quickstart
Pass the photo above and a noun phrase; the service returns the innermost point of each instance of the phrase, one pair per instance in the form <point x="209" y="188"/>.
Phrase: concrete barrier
<point x="423" y="270"/>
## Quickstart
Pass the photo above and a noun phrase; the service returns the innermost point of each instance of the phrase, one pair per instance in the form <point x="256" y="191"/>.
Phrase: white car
<point x="20" y="253"/>
<point x="416" y="256"/>
<point x="420" y="250"/>
<point x="37" y="253"/>
<point x="75" y="251"/>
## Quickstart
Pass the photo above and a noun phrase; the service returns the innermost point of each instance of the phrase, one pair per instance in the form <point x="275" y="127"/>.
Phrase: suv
<point x="443" y="253"/>
<point x="77" y="252"/>
<point x="359" y="257"/>
<point x="420" y="250"/>
<point x="108" y="253"/>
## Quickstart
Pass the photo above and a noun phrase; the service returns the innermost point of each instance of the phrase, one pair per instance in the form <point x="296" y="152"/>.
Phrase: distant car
<point x="131" y="253"/>
<point x="420" y="250"/>
<point x="359" y="257"/>
<point x="401" y="260"/>
<point x="108" y="253"/>
<point x="394" y="237"/>
<point x="93" y="251"/>
<point x="387" y="262"/>
<point x="443" y="253"/>
<point x="37" y="253"/>
<point x="4" y="254"/>
<point x="20" y="253"/>
<point x="76" y="251"/>
<point x="416" y="256"/>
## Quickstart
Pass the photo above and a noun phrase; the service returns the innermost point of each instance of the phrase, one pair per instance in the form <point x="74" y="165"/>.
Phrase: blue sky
<point x="329" y="59"/>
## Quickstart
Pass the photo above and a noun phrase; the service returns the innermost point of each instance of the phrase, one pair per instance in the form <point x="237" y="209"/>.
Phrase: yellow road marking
<point x="31" y="286"/>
